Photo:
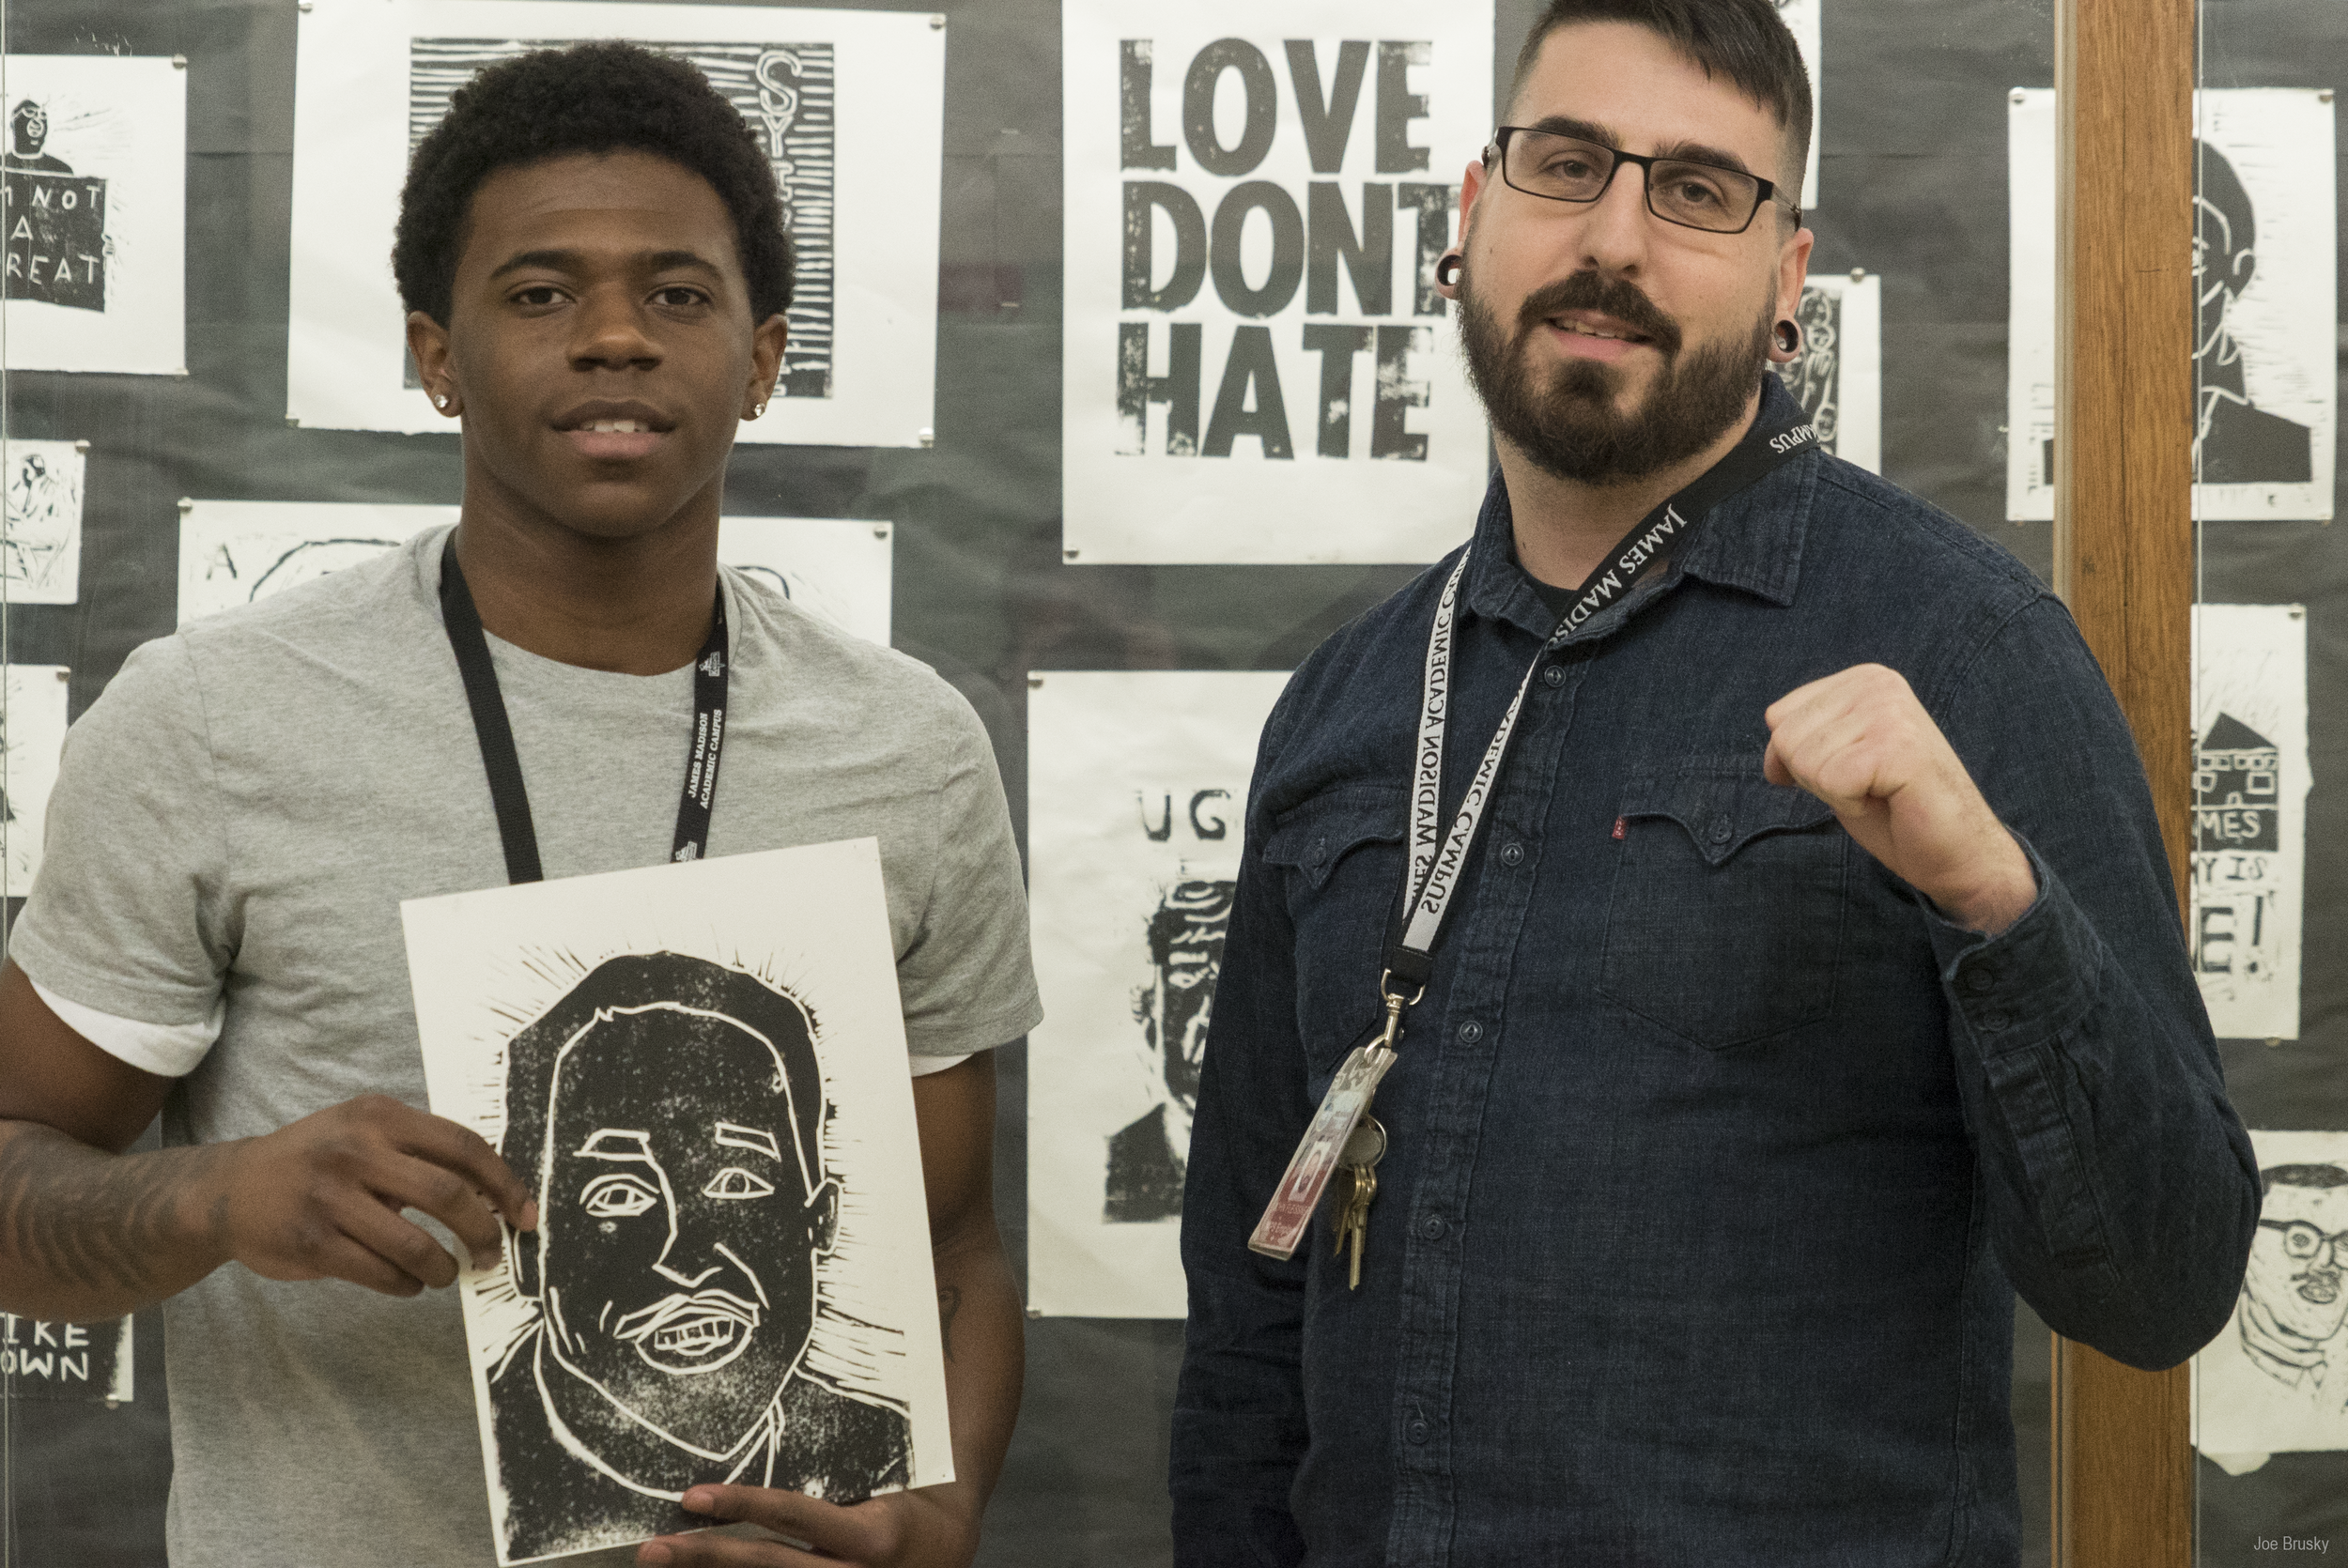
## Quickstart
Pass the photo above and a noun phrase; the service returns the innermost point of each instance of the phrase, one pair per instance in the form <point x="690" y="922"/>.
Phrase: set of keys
<point x="1358" y="1164"/>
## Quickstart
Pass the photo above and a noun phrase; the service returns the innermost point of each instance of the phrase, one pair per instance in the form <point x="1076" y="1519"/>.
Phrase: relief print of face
<point x="2297" y="1260"/>
<point x="680" y="1235"/>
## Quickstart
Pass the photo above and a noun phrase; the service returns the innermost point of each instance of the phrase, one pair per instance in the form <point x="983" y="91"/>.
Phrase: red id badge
<point x="1282" y="1227"/>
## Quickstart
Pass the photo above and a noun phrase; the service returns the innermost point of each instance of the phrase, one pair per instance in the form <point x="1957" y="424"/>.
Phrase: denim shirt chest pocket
<point x="1339" y="855"/>
<point x="1725" y="926"/>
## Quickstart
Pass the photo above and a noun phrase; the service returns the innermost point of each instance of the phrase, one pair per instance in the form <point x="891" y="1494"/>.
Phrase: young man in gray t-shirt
<point x="592" y="251"/>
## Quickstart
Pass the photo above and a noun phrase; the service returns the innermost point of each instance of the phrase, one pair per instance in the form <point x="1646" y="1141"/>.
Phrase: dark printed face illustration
<point x="2236" y="442"/>
<point x="682" y="1222"/>
<point x="670" y="1113"/>
<point x="2301" y="1252"/>
<point x="2224" y="246"/>
<point x="1186" y="951"/>
<point x="28" y="129"/>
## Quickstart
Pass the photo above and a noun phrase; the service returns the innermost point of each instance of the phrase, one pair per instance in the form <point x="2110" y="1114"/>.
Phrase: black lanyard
<point x="471" y="647"/>
<point x="1431" y="871"/>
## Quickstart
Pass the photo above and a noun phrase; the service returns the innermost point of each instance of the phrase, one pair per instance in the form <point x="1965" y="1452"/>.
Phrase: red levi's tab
<point x="1619" y="824"/>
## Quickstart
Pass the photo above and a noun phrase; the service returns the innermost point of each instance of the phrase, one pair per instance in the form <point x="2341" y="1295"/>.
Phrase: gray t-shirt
<point x="243" y="812"/>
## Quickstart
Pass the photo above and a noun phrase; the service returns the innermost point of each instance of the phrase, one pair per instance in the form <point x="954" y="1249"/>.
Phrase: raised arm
<point x="2122" y="1192"/>
<point x="89" y="1232"/>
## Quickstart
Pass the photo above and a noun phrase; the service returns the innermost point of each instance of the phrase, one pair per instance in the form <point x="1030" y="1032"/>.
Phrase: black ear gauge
<point x="1788" y="335"/>
<point x="1447" y="268"/>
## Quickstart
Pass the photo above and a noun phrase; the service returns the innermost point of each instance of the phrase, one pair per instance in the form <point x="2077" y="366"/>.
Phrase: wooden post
<point x="2123" y="561"/>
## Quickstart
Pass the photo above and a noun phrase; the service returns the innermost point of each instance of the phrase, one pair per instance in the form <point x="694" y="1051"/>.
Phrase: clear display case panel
<point x="2270" y="674"/>
<point x="201" y="403"/>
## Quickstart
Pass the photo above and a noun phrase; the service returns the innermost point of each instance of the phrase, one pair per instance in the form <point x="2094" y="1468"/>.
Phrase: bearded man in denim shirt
<point x="1815" y="981"/>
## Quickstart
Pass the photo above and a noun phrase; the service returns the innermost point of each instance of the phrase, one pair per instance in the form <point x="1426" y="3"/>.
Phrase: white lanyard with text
<point x="1340" y="1131"/>
<point x="496" y="734"/>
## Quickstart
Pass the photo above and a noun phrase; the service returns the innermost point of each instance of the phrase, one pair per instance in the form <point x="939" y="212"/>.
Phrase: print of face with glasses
<point x="2301" y="1251"/>
<point x="1681" y="190"/>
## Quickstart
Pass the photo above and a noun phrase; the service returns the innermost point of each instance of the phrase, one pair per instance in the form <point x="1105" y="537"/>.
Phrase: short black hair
<point x="599" y="96"/>
<point x="2317" y="1177"/>
<point x="643" y="980"/>
<point x="1744" y="42"/>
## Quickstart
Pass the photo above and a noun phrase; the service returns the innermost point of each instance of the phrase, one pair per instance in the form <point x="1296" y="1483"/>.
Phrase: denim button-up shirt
<point x="1717" y="1155"/>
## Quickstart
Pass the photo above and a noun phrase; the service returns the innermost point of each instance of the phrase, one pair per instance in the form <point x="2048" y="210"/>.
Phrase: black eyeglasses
<point x="1678" y="191"/>
<point x="2302" y="1240"/>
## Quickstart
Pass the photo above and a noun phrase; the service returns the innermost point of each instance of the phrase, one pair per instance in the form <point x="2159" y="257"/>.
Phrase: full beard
<point x="1569" y="425"/>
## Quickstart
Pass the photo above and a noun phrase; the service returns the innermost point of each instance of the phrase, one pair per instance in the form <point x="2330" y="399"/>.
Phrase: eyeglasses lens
<point x="1694" y="195"/>
<point x="2302" y="1240"/>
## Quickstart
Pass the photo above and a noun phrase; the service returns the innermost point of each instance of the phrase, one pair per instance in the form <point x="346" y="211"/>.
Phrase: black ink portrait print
<point x="1184" y="938"/>
<point x="2236" y="442"/>
<point x="785" y="91"/>
<point x="669" y="1113"/>
<point x="2294" y="1304"/>
<point x="56" y="217"/>
<point x="1815" y="377"/>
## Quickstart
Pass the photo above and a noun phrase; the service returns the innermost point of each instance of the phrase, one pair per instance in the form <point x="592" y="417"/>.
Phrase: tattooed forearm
<point x="948" y="1303"/>
<point x="87" y="1233"/>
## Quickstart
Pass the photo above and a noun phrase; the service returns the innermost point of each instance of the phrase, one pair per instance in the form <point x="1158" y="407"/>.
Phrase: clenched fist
<point x="1861" y="742"/>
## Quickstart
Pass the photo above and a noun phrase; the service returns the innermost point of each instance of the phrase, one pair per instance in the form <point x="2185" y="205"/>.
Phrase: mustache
<point x="1592" y="290"/>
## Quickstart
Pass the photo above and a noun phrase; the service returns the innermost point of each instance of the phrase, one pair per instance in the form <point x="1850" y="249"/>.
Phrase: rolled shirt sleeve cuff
<point x="2029" y="982"/>
<point x="165" y="1050"/>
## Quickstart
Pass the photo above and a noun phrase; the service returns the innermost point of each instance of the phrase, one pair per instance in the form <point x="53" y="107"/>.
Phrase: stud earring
<point x="1788" y="333"/>
<point x="440" y="400"/>
<point x="1448" y="269"/>
<point x="758" y="412"/>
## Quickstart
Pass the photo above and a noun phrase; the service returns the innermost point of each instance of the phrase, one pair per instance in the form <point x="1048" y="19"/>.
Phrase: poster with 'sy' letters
<point x="704" y="1085"/>
<point x="2275" y="1380"/>
<point x="236" y="552"/>
<point x="32" y="734"/>
<point x="848" y="105"/>
<point x="93" y="186"/>
<point x="1255" y="365"/>
<point x="2251" y="775"/>
<point x="2264" y="259"/>
<point x="1137" y="803"/>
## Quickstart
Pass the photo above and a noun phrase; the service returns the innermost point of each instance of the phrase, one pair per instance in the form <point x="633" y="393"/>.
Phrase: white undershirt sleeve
<point x="924" y="1066"/>
<point x="165" y="1050"/>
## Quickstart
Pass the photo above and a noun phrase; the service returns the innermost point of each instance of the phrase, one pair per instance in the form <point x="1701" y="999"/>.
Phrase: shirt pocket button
<point x="1721" y="829"/>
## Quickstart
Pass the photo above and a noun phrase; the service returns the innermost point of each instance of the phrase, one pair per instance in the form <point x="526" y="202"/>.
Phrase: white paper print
<point x="849" y="104"/>
<point x="235" y="552"/>
<point x="40" y="547"/>
<point x="93" y="190"/>
<point x="836" y="568"/>
<point x="1802" y="19"/>
<point x="1255" y="365"/>
<point x="2251" y="775"/>
<point x="2264" y="265"/>
<point x="240" y="552"/>
<point x="1137" y="802"/>
<point x="699" y="1070"/>
<point x="2275" y="1380"/>
<point x="65" y="1363"/>
<point x="1838" y="380"/>
<point x="32" y="733"/>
